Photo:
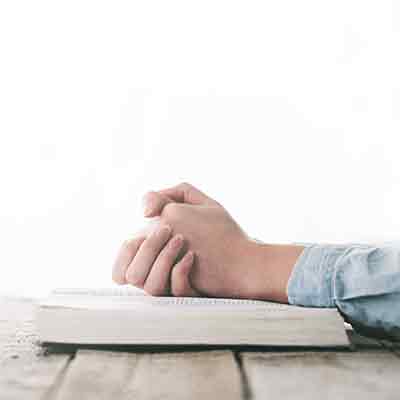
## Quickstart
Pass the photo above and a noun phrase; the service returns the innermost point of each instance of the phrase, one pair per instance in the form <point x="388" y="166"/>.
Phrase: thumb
<point x="187" y="193"/>
<point x="154" y="202"/>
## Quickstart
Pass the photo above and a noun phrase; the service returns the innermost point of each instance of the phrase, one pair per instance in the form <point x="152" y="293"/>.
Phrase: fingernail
<point x="178" y="239"/>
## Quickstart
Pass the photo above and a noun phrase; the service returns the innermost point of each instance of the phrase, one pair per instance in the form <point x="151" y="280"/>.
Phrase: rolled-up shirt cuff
<point x="311" y="282"/>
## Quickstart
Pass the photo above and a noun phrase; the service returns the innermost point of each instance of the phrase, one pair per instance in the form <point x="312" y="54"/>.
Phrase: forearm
<point x="269" y="268"/>
<point x="362" y="281"/>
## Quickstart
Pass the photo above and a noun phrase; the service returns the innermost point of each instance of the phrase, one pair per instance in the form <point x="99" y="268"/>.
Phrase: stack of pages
<point x="128" y="316"/>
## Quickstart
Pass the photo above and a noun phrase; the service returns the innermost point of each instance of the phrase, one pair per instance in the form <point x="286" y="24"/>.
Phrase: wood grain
<point x="363" y="375"/>
<point x="200" y="375"/>
<point x="25" y="370"/>
<point x="33" y="380"/>
<point x="107" y="375"/>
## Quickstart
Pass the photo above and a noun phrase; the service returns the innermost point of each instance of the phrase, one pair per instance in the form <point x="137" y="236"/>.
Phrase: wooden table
<point x="28" y="371"/>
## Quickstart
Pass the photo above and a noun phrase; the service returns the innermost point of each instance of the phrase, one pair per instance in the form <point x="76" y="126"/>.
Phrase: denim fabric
<point x="362" y="281"/>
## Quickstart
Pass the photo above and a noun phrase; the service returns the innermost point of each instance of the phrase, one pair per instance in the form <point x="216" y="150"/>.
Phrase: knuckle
<point x="172" y="211"/>
<point x="126" y="247"/>
<point x="150" y="243"/>
<point x="185" y="185"/>
<point x="167" y="257"/>
<point x="165" y="261"/>
<point x="131" y="245"/>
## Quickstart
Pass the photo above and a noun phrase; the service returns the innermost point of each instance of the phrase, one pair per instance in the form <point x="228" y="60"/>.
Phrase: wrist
<point x="267" y="269"/>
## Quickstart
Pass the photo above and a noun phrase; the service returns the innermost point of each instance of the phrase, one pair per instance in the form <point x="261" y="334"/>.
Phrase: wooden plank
<point x="329" y="375"/>
<point x="186" y="375"/>
<point x="16" y="318"/>
<point x="200" y="375"/>
<point x="95" y="374"/>
<point x="32" y="380"/>
<point x="25" y="371"/>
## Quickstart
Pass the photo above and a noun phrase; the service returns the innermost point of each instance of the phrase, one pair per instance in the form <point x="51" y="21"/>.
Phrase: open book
<point x="128" y="316"/>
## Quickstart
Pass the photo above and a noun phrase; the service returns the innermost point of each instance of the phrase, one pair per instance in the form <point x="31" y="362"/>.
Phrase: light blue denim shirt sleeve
<point x="362" y="281"/>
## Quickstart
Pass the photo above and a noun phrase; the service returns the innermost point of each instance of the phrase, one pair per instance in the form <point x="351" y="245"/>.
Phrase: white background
<point x="287" y="112"/>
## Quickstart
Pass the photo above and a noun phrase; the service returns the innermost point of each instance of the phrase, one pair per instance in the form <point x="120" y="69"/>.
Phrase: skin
<point x="197" y="249"/>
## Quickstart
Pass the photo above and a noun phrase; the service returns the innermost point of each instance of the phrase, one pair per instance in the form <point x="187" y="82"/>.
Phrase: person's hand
<point x="211" y="233"/>
<point x="227" y="263"/>
<point x="154" y="261"/>
<point x="158" y="260"/>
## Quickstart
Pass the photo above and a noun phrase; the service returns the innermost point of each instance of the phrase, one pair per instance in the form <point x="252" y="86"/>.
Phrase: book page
<point x="128" y="297"/>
